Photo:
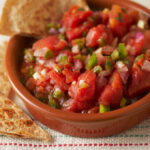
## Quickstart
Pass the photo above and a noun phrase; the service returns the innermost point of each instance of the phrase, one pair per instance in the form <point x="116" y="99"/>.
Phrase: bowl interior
<point x="14" y="55"/>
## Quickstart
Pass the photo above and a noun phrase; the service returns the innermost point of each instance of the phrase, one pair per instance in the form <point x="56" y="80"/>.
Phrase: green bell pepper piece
<point x="58" y="93"/>
<point x="122" y="51"/>
<point x="123" y="102"/>
<point x="115" y="55"/>
<point x="91" y="62"/>
<point x="48" y="54"/>
<point x="97" y="69"/>
<point x="104" y="108"/>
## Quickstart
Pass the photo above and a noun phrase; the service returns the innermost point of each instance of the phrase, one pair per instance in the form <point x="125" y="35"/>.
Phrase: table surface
<point x="137" y="138"/>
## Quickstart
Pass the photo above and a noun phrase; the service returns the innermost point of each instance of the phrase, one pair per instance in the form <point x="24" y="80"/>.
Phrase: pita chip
<point x="14" y="122"/>
<point x="5" y="86"/>
<point x="32" y="16"/>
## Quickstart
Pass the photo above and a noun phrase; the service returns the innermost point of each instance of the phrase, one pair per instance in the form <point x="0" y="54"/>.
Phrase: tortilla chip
<point x="5" y="86"/>
<point x="14" y="122"/>
<point x="3" y="46"/>
<point x="32" y="16"/>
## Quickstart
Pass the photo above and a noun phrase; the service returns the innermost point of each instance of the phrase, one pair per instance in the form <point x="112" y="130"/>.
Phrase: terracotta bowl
<point x="75" y="124"/>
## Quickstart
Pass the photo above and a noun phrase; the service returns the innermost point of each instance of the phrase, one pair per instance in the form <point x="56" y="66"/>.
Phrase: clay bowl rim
<point x="25" y="95"/>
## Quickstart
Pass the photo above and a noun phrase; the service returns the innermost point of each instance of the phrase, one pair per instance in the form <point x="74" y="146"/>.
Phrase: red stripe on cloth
<point x="70" y="145"/>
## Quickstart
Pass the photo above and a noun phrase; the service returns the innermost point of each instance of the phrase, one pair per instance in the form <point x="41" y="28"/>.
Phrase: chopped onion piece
<point x="120" y="64"/>
<point x="43" y="72"/>
<point x="40" y="61"/>
<point x="36" y="76"/>
<point x="40" y="52"/>
<point x="141" y="24"/>
<point x="98" y="51"/>
<point x="61" y="30"/>
<point x="74" y="82"/>
<point x="146" y="65"/>
<point x="75" y="49"/>
<point x="81" y="82"/>
<point x="52" y="82"/>
<point x="60" y="56"/>
<point x="139" y="36"/>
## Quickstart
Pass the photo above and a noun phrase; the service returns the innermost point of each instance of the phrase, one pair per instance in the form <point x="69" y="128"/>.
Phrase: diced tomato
<point x="41" y="83"/>
<point x="93" y="110"/>
<point x="49" y="88"/>
<point x="76" y="106"/>
<point x="100" y="59"/>
<point x="75" y="16"/>
<point x="94" y="34"/>
<point x="49" y="63"/>
<point x="78" y="32"/>
<point x="59" y="80"/>
<point x="66" y="52"/>
<point x="139" y="82"/>
<point x="123" y="70"/>
<point x="30" y="84"/>
<point x="138" y="63"/>
<point x="118" y="20"/>
<point x="124" y="74"/>
<point x="129" y="60"/>
<point x="40" y="92"/>
<point x="100" y="84"/>
<point x="105" y="16"/>
<point x="140" y="77"/>
<point x="82" y="94"/>
<point x="70" y="75"/>
<point x="52" y="42"/>
<point x="107" y="50"/>
<point x="70" y="105"/>
<point x="129" y="35"/>
<point x="113" y="92"/>
<point x="110" y="36"/>
<point x="135" y="45"/>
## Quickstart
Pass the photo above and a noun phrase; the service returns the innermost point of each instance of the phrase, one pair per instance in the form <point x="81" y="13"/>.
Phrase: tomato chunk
<point x="76" y="106"/>
<point x="93" y="35"/>
<point x="113" y="92"/>
<point x="97" y="36"/>
<point x="104" y="16"/>
<point x="78" y="32"/>
<point x="70" y="75"/>
<point x="140" y="82"/>
<point x="135" y="45"/>
<point x="101" y="82"/>
<point x="140" y="76"/>
<point x="84" y="88"/>
<point x="59" y="80"/>
<point x="118" y="21"/>
<point x="75" y="16"/>
<point x="30" y="84"/>
<point x="52" y="42"/>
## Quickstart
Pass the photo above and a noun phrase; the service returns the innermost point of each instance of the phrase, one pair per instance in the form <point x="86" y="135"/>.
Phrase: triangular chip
<point x="5" y="86"/>
<point x="32" y="16"/>
<point x="14" y="122"/>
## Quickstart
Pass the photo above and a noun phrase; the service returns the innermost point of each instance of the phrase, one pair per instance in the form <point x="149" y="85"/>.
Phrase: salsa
<point x="92" y="62"/>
